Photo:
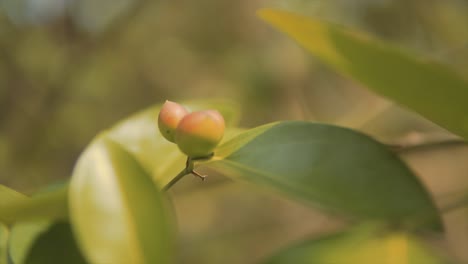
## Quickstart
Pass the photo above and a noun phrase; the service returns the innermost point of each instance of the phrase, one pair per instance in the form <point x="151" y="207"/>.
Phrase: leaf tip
<point x="262" y="12"/>
<point x="268" y="14"/>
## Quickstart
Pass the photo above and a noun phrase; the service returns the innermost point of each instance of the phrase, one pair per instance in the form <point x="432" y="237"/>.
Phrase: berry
<point x="169" y="117"/>
<point x="198" y="133"/>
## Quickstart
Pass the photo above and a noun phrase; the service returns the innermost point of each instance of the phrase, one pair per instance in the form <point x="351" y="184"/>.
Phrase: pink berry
<point x="198" y="133"/>
<point x="169" y="117"/>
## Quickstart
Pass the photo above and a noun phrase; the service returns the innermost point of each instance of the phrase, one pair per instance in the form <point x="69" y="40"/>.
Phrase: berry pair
<point x="196" y="134"/>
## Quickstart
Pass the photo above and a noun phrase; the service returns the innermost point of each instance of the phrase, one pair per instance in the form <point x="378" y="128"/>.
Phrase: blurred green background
<point x="71" y="68"/>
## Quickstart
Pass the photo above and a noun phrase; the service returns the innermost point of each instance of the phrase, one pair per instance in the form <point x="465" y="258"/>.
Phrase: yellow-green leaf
<point x="434" y="91"/>
<point x="44" y="242"/>
<point x="119" y="216"/>
<point x="364" y="245"/>
<point x="50" y="204"/>
<point x="4" y="236"/>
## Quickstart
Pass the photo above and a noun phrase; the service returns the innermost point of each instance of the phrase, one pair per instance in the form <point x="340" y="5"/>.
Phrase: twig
<point x="187" y="170"/>
<point x="176" y="179"/>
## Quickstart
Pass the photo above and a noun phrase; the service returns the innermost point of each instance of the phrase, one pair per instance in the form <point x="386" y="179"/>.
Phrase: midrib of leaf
<point x="276" y="180"/>
<point x="265" y="148"/>
<point x="239" y="141"/>
<point x="137" y="246"/>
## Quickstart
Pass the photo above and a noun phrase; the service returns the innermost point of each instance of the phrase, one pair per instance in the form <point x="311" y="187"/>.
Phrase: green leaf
<point x="22" y="238"/>
<point x="140" y="136"/>
<point x="364" y="245"/>
<point x="56" y="246"/>
<point x="4" y="236"/>
<point x="9" y="197"/>
<point x="118" y="214"/>
<point x="332" y="167"/>
<point x="428" y="88"/>
<point x="50" y="204"/>
<point x="43" y="242"/>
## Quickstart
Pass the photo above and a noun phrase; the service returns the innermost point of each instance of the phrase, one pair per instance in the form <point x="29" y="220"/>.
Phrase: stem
<point x="176" y="179"/>
<point x="402" y="149"/>
<point x="187" y="170"/>
<point x="463" y="202"/>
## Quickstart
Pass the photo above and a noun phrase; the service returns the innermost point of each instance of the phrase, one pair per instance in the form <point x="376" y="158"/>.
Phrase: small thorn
<point x="198" y="175"/>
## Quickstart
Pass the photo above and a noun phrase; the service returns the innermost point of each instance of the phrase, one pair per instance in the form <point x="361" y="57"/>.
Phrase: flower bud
<point x="169" y="117"/>
<point x="198" y="133"/>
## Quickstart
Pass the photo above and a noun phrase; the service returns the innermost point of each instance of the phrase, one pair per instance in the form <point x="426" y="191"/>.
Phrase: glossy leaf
<point x="117" y="213"/>
<point x="331" y="167"/>
<point x="428" y="88"/>
<point x="364" y="245"/>
<point x="50" y="204"/>
<point x="43" y="242"/>
<point x="140" y="136"/>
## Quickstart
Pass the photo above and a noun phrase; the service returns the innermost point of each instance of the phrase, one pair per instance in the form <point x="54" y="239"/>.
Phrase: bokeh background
<point x="71" y="68"/>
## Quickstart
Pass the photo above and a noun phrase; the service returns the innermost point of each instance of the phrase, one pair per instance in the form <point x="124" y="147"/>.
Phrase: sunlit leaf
<point x="140" y="136"/>
<point x="4" y="235"/>
<point x="44" y="242"/>
<point x="50" y="204"/>
<point x="118" y="214"/>
<point x="364" y="245"/>
<point x="23" y="236"/>
<point x="7" y="198"/>
<point x="328" y="166"/>
<point x="428" y="88"/>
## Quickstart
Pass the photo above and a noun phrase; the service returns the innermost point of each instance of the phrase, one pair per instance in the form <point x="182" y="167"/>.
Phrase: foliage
<point x="115" y="208"/>
<point x="362" y="244"/>
<point x="406" y="79"/>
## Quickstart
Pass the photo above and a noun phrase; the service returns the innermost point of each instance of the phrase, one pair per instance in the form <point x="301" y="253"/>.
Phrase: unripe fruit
<point x="198" y="133"/>
<point x="169" y="117"/>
